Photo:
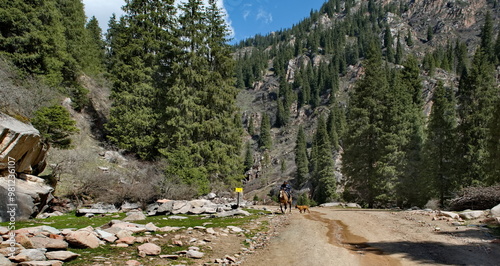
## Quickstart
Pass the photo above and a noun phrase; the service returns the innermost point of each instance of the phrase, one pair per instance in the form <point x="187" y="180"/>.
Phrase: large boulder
<point x="21" y="143"/>
<point x="31" y="198"/>
<point x="22" y="151"/>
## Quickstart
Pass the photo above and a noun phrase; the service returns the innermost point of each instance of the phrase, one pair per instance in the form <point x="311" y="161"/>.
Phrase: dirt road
<point x="329" y="236"/>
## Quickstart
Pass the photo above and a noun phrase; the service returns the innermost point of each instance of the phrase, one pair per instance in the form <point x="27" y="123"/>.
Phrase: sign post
<point x="238" y="190"/>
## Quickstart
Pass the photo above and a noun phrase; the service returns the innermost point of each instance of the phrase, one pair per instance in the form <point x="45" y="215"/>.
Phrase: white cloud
<point x="246" y="13"/>
<point x="264" y="16"/>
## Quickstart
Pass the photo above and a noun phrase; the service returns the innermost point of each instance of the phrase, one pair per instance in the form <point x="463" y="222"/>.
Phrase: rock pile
<point x="46" y="245"/>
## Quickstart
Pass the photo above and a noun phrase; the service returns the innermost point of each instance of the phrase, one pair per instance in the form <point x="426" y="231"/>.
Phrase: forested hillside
<point x="398" y="99"/>
<point x="380" y="102"/>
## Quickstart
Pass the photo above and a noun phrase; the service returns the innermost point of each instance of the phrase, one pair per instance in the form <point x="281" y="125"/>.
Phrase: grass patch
<point x="119" y="255"/>
<point x="69" y="220"/>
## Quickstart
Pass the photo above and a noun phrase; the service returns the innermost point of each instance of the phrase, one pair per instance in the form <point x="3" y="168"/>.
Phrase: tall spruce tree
<point x="301" y="158"/>
<point x="493" y="146"/>
<point x="202" y="136"/>
<point x="323" y="177"/>
<point x="412" y="191"/>
<point x="365" y="147"/>
<point x="476" y="96"/>
<point x="439" y="149"/>
<point x="265" y="140"/>
<point x="134" y="117"/>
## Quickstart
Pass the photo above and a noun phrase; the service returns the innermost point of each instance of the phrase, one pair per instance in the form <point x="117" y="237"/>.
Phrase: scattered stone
<point x="133" y="263"/>
<point x="127" y="206"/>
<point x="61" y="255"/>
<point x="24" y="241"/>
<point x="232" y="213"/>
<point x="149" y="249"/>
<point x="171" y="257"/>
<point x="83" y="239"/>
<point x="130" y="240"/>
<point x="470" y="215"/>
<point x="121" y="245"/>
<point x="168" y="229"/>
<point x="353" y="205"/>
<point x="124" y="234"/>
<point x="42" y="263"/>
<point x="4" y="230"/>
<point x="210" y="230"/>
<point x="235" y="229"/>
<point x="29" y="255"/>
<point x="48" y="243"/>
<point x="231" y="259"/>
<point x="135" y="216"/>
<point x="151" y="227"/>
<point x="106" y="235"/>
<point x="332" y="204"/>
<point x="194" y="254"/>
<point x="449" y="214"/>
<point x="495" y="211"/>
<point x="4" y="261"/>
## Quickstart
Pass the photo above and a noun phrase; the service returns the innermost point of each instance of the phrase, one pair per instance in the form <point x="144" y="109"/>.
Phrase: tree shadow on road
<point x="434" y="252"/>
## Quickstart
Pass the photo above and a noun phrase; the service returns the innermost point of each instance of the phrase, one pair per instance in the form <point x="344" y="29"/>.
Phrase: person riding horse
<point x="285" y="198"/>
<point x="287" y="188"/>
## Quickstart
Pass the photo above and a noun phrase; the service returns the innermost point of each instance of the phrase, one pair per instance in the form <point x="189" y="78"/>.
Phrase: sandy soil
<point x="331" y="236"/>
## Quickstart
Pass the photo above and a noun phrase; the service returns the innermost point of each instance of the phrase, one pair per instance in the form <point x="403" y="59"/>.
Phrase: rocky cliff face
<point x="21" y="145"/>
<point x="22" y="153"/>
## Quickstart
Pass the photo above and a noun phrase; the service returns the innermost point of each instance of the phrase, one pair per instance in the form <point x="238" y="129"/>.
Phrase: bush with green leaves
<point x="55" y="126"/>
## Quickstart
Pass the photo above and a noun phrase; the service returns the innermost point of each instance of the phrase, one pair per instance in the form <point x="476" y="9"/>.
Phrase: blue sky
<point x="245" y="17"/>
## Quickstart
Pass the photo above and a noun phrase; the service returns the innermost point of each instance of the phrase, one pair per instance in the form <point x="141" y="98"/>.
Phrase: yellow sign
<point x="239" y="189"/>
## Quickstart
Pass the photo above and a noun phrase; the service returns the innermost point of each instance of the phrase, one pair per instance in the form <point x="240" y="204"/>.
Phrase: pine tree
<point x="96" y="46"/>
<point x="248" y="156"/>
<point x="250" y="126"/>
<point x="398" y="58"/>
<point x="265" y="141"/>
<point x="134" y="116"/>
<point x="493" y="147"/>
<point x="487" y="38"/>
<point x="301" y="158"/>
<point x="476" y="96"/>
<point x="332" y="129"/>
<point x="324" y="180"/>
<point x="439" y="149"/>
<point x="364" y="146"/>
<point x="201" y="118"/>
<point x="409" y="39"/>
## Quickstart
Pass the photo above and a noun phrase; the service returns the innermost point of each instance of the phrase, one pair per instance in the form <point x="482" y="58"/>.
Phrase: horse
<point x="285" y="200"/>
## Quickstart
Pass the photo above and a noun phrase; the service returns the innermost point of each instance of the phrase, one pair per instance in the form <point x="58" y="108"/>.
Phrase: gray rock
<point x="495" y="211"/>
<point x="31" y="198"/>
<point x="4" y="230"/>
<point x="42" y="263"/>
<point x="194" y="254"/>
<point x="181" y="207"/>
<point x="48" y="243"/>
<point x="152" y="209"/>
<point x="232" y="213"/>
<point x="4" y="261"/>
<point x="23" y="143"/>
<point x="149" y="249"/>
<point x="61" y="255"/>
<point x="135" y="216"/>
<point x="332" y="204"/>
<point x="175" y="217"/>
<point x="83" y="239"/>
<point x="470" y="215"/>
<point x="166" y="207"/>
<point x="127" y="206"/>
<point x="211" y="196"/>
<point x="29" y="255"/>
<point x="353" y="205"/>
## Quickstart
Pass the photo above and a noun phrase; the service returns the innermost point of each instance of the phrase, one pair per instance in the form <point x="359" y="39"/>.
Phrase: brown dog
<point x="302" y="208"/>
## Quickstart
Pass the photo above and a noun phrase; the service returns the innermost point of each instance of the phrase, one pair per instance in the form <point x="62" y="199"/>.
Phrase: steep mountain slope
<point x="421" y="27"/>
